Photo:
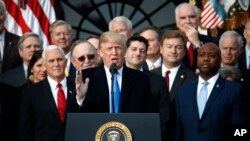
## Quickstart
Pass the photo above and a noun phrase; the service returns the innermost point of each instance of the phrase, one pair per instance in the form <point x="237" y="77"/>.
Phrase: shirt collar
<point x="53" y="83"/>
<point x="210" y="81"/>
<point x="108" y="72"/>
<point x="172" y="70"/>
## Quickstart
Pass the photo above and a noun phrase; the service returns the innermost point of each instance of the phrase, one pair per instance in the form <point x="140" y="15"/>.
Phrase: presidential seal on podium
<point x="113" y="131"/>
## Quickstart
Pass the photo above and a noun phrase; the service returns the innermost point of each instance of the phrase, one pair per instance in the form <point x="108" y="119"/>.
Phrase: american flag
<point x="212" y="15"/>
<point x="30" y="16"/>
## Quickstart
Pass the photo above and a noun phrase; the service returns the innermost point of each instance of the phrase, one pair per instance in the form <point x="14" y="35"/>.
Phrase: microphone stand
<point x="112" y="71"/>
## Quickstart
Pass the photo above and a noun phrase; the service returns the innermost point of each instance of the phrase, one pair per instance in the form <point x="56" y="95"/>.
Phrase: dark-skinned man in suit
<point x="209" y="107"/>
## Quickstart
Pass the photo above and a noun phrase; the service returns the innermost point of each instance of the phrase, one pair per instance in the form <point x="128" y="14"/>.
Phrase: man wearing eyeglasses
<point x="173" y="49"/>
<point x="83" y="55"/>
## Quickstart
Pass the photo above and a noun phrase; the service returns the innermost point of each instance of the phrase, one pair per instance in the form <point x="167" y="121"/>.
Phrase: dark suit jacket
<point x="203" y="39"/>
<point x="242" y="63"/>
<point x="38" y="116"/>
<point x="8" y="113"/>
<point x="135" y="96"/>
<point x="183" y="76"/>
<point x="14" y="77"/>
<point x="11" y="57"/>
<point x="223" y="109"/>
<point x="161" y="95"/>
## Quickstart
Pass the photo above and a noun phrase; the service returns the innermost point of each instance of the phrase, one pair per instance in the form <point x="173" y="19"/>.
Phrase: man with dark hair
<point x="135" y="57"/>
<point x="153" y="58"/>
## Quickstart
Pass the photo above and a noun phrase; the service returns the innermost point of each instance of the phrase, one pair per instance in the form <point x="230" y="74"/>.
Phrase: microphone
<point x="113" y="70"/>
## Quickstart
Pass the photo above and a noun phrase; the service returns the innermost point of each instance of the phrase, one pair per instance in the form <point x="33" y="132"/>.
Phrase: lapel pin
<point x="217" y="86"/>
<point x="70" y="91"/>
<point x="182" y="76"/>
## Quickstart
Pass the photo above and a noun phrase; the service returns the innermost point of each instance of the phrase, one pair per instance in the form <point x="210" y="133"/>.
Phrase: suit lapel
<point x="127" y="84"/>
<point x="49" y="96"/>
<point x="103" y="88"/>
<point x="179" y="78"/>
<point x="70" y="95"/>
<point x="215" y="92"/>
<point x="194" y="97"/>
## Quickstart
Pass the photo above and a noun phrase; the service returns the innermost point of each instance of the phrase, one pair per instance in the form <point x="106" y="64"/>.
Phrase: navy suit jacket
<point x="38" y="116"/>
<point x="183" y="76"/>
<point x="135" y="96"/>
<point x="14" y="77"/>
<point x="223" y="110"/>
<point x="8" y="112"/>
<point x="11" y="57"/>
<point x="161" y="95"/>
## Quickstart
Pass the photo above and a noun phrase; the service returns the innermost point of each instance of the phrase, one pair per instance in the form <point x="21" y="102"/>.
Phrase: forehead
<point x="148" y="33"/>
<point x="82" y="48"/>
<point x="173" y="41"/>
<point x="53" y="54"/>
<point x="62" y="27"/>
<point x="137" y="44"/>
<point x="116" y="25"/>
<point x="209" y="49"/>
<point x="186" y="10"/>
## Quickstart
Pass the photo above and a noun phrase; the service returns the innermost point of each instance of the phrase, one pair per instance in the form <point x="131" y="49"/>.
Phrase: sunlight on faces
<point x="173" y="51"/>
<point x="55" y="63"/>
<point x="61" y="36"/>
<point x="85" y="52"/>
<point x="39" y="71"/>
<point x="154" y="43"/>
<point x="186" y="16"/>
<point x="230" y="50"/>
<point x="135" y="54"/>
<point x="29" y="46"/>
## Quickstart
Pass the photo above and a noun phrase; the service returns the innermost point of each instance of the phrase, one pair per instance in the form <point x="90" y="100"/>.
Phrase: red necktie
<point x="167" y="78"/>
<point x="191" y="54"/>
<point x="61" y="101"/>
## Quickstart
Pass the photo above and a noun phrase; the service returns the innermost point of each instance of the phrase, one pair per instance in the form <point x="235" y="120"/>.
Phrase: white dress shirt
<point x="156" y="64"/>
<point x="247" y="48"/>
<point x="108" y="76"/>
<point x="2" y="36"/>
<point x="172" y="74"/>
<point x="211" y="83"/>
<point x="54" y="89"/>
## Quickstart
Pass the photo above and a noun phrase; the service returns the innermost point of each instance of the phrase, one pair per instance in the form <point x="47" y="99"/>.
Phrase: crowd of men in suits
<point x="166" y="74"/>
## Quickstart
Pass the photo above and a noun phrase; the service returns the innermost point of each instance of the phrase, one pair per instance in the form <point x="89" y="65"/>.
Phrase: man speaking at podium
<point x="113" y="87"/>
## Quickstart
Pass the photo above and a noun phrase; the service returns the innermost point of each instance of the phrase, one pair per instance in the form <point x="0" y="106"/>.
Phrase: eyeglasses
<point x="89" y="56"/>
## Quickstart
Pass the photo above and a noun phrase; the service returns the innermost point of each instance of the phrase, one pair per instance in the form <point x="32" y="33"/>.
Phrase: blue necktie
<point x="202" y="98"/>
<point x="116" y="93"/>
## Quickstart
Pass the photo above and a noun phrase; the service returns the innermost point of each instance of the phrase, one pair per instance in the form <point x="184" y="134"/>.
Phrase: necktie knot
<point x="152" y="67"/>
<point x="59" y="85"/>
<point x="167" y="72"/>
<point x="205" y="83"/>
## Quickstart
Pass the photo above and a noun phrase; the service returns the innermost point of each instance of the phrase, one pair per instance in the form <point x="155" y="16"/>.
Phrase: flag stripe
<point x="209" y="17"/>
<point x="38" y="12"/>
<point x="14" y="11"/>
<point x="36" y="17"/>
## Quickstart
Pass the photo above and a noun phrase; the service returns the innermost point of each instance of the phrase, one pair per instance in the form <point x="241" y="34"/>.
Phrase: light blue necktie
<point x="116" y="93"/>
<point x="202" y="98"/>
<point x="248" y="62"/>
